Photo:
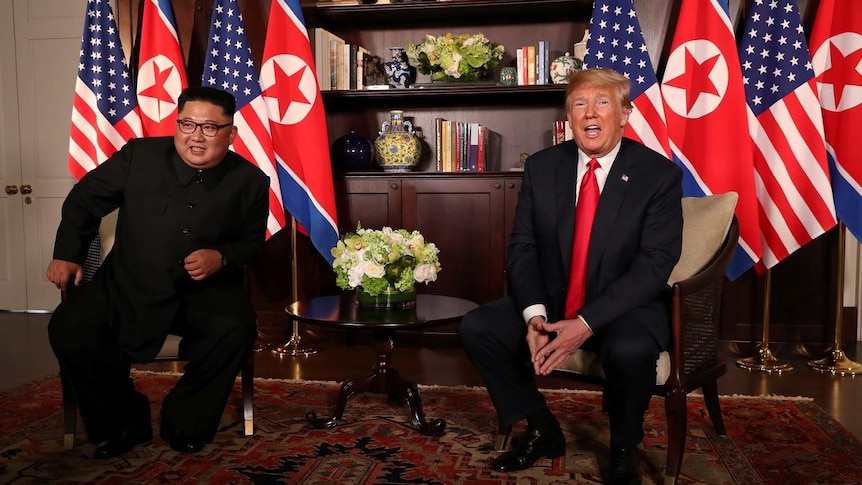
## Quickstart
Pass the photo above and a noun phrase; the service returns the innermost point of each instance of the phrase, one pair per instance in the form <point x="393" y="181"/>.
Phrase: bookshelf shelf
<point x="452" y="12"/>
<point x="453" y="94"/>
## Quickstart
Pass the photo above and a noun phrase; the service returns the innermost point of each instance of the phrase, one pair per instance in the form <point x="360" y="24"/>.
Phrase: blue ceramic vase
<point x="352" y="153"/>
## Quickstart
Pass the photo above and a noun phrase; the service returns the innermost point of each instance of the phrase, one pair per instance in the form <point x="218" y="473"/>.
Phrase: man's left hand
<point x="202" y="263"/>
<point x="571" y="334"/>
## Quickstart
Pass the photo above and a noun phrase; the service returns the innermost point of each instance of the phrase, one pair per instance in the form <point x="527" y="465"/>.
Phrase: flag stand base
<point x="836" y="364"/>
<point x="764" y="361"/>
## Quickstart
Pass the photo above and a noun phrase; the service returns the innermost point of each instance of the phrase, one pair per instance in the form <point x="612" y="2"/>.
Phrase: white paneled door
<point x="39" y="48"/>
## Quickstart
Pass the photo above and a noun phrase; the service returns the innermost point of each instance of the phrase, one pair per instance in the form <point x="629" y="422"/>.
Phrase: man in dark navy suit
<point x="192" y="214"/>
<point x="614" y="305"/>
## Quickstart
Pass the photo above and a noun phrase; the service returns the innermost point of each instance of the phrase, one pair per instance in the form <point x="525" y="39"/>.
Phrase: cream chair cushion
<point x="706" y="221"/>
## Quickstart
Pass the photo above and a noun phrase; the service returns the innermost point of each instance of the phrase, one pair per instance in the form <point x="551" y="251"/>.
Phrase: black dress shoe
<point x="178" y="441"/>
<point x="625" y="465"/>
<point x="123" y="442"/>
<point x="532" y="446"/>
<point x="184" y="444"/>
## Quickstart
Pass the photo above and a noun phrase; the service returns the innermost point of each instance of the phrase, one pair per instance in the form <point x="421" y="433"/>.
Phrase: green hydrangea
<point x="464" y="56"/>
<point x="379" y="259"/>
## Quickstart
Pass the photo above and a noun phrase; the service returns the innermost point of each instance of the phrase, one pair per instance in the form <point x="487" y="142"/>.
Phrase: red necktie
<point x="585" y="213"/>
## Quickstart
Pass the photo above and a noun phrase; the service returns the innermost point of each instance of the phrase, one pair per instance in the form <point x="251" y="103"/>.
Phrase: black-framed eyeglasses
<point x="207" y="128"/>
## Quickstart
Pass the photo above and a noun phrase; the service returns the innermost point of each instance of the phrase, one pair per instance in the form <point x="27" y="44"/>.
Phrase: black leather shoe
<point x="184" y="444"/>
<point x="625" y="465"/>
<point x="123" y="442"/>
<point x="532" y="446"/>
<point x="178" y="441"/>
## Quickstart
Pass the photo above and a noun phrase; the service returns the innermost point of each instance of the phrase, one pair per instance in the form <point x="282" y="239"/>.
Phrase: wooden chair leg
<point x="677" y="424"/>
<point x="502" y="440"/>
<point x="247" y="381"/>
<point x="710" y="399"/>
<point x="70" y="415"/>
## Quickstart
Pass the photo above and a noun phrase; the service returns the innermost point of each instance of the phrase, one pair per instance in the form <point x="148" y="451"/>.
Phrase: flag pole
<point x="294" y="347"/>
<point x="836" y="362"/>
<point x="764" y="360"/>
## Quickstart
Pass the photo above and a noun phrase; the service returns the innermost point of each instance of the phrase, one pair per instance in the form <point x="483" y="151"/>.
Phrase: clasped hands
<point x="199" y="265"/>
<point x="546" y="354"/>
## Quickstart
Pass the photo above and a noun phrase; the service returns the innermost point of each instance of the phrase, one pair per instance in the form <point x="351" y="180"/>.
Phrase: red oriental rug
<point x="770" y="441"/>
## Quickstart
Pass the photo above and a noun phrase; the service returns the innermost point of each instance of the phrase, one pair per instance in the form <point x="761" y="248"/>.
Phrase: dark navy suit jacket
<point x="635" y="242"/>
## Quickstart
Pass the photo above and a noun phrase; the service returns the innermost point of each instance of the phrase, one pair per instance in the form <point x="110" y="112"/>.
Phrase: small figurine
<point x="373" y="71"/>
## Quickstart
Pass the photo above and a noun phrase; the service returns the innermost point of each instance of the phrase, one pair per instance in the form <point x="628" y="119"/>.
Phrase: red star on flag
<point x="843" y="71"/>
<point x="292" y="82"/>
<point x="157" y="90"/>
<point x="696" y="74"/>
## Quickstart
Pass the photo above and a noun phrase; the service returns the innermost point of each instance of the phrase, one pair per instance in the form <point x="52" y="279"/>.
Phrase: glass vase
<point x="391" y="299"/>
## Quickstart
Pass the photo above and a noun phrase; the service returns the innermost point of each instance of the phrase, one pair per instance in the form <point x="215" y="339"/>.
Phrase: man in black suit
<point x="192" y="214"/>
<point x="621" y="313"/>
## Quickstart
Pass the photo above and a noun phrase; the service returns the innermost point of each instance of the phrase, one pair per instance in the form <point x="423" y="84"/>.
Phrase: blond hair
<point x="600" y="77"/>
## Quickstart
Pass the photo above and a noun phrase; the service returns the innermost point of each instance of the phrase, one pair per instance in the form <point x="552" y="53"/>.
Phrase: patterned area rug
<point x="770" y="441"/>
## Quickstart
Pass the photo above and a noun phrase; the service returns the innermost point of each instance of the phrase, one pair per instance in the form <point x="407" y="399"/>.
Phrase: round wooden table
<point x="342" y="311"/>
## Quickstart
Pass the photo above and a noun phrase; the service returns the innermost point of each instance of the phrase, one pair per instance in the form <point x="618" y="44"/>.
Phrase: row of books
<point x="533" y="63"/>
<point x="465" y="147"/>
<point x="561" y="132"/>
<point x="339" y="64"/>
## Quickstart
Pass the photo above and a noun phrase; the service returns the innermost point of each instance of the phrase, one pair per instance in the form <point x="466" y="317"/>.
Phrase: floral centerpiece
<point x="464" y="57"/>
<point x="384" y="265"/>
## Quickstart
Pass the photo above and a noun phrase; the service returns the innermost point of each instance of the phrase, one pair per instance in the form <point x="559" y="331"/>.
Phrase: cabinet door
<point x="465" y="218"/>
<point x="512" y="188"/>
<point x="374" y="201"/>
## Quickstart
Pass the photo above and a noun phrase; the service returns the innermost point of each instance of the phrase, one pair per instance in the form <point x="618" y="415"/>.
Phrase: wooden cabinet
<point x="468" y="216"/>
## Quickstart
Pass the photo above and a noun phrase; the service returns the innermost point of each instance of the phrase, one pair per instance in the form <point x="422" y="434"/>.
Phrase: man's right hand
<point x="59" y="272"/>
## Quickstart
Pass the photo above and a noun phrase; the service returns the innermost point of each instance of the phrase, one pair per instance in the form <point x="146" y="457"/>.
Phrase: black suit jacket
<point x="635" y="242"/>
<point x="167" y="211"/>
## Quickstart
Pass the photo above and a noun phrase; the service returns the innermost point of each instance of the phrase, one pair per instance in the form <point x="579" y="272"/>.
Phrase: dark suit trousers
<point x="494" y="336"/>
<point x="98" y="369"/>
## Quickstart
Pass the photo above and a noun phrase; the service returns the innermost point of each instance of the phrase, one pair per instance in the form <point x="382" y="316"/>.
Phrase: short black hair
<point x="220" y="98"/>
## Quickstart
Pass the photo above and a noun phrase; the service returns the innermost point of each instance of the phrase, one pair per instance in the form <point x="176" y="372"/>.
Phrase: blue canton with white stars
<point x="774" y="53"/>
<point x="229" y="65"/>
<point x="102" y="64"/>
<point x="617" y="42"/>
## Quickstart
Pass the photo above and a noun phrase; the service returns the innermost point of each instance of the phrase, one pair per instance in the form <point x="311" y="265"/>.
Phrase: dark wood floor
<point x="26" y="355"/>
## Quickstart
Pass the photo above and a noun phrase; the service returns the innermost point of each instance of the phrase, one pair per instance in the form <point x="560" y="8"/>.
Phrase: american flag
<point x="836" y="53"/>
<point x="161" y="72"/>
<point x="706" y="115"/>
<point x="617" y="42"/>
<point x="298" y="125"/>
<point x="229" y="66"/>
<point x="791" y="172"/>
<point x="104" y="109"/>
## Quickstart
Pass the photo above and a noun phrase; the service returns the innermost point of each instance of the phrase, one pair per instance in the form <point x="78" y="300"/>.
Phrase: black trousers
<point x="494" y="336"/>
<point x="98" y="369"/>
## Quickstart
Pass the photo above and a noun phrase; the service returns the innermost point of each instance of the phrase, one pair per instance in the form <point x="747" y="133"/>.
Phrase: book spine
<point x="531" y="64"/>
<point x="351" y="66"/>
<point x="473" y="151"/>
<point x="519" y="65"/>
<point x="480" y="156"/>
<point x="542" y="62"/>
<point x="438" y="144"/>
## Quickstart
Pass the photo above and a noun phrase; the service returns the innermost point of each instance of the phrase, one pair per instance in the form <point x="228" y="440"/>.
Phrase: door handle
<point x="26" y="189"/>
<point x="11" y="189"/>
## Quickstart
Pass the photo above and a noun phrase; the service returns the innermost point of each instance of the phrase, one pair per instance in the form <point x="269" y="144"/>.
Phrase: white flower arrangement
<point x="460" y="57"/>
<point x="377" y="259"/>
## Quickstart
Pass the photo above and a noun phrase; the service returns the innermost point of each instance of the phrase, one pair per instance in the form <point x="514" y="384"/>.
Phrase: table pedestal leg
<point x="383" y="380"/>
